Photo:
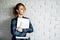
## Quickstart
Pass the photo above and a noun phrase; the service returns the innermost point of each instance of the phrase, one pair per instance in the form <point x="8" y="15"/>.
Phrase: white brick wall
<point x="44" y="15"/>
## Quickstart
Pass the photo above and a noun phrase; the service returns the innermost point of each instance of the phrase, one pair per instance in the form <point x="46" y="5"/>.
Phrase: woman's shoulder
<point x="26" y="17"/>
<point x="13" y="19"/>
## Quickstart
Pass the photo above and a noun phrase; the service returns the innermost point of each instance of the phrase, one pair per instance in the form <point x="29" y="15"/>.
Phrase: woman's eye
<point x="21" y="9"/>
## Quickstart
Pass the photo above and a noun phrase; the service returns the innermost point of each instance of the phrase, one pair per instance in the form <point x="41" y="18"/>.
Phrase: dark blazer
<point x="15" y="33"/>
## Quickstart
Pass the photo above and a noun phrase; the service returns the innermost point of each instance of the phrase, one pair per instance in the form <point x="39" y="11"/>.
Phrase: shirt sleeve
<point x="13" y="29"/>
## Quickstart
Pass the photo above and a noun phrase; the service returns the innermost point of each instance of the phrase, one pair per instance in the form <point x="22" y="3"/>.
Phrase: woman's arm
<point x="13" y="28"/>
<point x="28" y="31"/>
<point x="30" y="28"/>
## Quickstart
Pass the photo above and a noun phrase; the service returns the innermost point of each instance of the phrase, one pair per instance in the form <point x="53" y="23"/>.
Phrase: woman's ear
<point x="17" y="10"/>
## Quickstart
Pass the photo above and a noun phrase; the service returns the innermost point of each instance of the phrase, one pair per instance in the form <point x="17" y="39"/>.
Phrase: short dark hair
<point x="17" y="7"/>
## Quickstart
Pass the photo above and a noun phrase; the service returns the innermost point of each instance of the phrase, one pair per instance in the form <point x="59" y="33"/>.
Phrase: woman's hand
<point x="19" y="29"/>
<point x="27" y="35"/>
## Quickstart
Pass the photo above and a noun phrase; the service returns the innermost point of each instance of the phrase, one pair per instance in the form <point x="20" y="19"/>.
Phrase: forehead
<point x="21" y="6"/>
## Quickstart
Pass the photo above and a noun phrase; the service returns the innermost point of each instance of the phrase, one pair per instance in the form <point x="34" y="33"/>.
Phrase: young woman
<point x="19" y="10"/>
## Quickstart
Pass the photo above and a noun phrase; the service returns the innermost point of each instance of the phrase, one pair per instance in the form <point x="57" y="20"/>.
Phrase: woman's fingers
<point x="19" y="29"/>
<point x="28" y="35"/>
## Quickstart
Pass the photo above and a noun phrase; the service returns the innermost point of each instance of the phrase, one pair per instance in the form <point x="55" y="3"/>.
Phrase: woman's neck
<point x="20" y="16"/>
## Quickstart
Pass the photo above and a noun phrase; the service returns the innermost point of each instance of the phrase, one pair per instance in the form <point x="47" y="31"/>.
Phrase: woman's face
<point x="21" y="10"/>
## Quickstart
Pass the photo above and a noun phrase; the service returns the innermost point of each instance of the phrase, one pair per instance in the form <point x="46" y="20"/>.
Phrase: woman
<point x="19" y="10"/>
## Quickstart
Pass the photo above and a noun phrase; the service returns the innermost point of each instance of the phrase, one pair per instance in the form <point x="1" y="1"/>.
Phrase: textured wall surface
<point x="44" y="15"/>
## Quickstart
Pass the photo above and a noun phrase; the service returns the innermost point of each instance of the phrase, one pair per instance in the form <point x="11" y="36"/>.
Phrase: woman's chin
<point x="21" y="14"/>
